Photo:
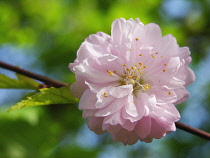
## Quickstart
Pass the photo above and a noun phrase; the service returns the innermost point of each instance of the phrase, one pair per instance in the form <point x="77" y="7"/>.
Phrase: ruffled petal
<point x="111" y="108"/>
<point x="94" y="87"/>
<point x="167" y="46"/>
<point x="114" y="119"/>
<point x="126" y="137"/>
<point x="152" y="34"/>
<point x="190" y="77"/>
<point x="86" y="50"/>
<point x="117" y="30"/>
<point x="100" y="38"/>
<point x="112" y="129"/>
<point x="130" y="107"/>
<point x="95" y="124"/>
<point x="93" y="75"/>
<point x="182" y="95"/>
<point x="89" y="113"/>
<point x="88" y="100"/>
<point x="165" y="114"/>
<point x="129" y="125"/>
<point x="77" y="90"/>
<point x="165" y="96"/>
<point x="121" y="91"/>
<point x="157" y="131"/>
<point x="143" y="127"/>
<point x="184" y="53"/>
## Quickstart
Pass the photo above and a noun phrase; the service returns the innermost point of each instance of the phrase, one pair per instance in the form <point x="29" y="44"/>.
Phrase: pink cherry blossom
<point x="128" y="83"/>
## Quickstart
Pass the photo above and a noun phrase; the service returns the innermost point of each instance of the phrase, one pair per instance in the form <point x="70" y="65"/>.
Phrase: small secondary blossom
<point x="128" y="83"/>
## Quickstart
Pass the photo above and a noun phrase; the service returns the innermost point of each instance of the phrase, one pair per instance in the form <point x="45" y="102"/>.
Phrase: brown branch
<point x="44" y="79"/>
<point x="192" y="130"/>
<point x="55" y="83"/>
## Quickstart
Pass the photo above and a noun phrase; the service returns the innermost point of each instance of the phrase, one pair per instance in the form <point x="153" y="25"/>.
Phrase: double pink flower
<point x="128" y="83"/>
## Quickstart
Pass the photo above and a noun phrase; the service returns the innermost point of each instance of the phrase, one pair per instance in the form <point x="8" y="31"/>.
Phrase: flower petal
<point x="165" y="114"/>
<point x="126" y="137"/>
<point x="101" y="39"/>
<point x="93" y="75"/>
<point x="121" y="91"/>
<point x="165" y="96"/>
<point x="95" y="124"/>
<point x="182" y="95"/>
<point x="129" y="125"/>
<point x="114" y="119"/>
<point x="89" y="113"/>
<point x="113" y="107"/>
<point x="117" y="30"/>
<point x="143" y="127"/>
<point x="77" y="90"/>
<point x="152" y="33"/>
<point x="190" y="77"/>
<point x="157" y="131"/>
<point x="88" y="100"/>
<point x="130" y="107"/>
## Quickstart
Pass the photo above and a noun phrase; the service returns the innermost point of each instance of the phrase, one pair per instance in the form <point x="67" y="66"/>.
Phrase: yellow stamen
<point x="165" y="64"/>
<point x="140" y="72"/>
<point x="153" y="56"/>
<point x="140" y="64"/>
<point x="135" y="77"/>
<point x="124" y="64"/>
<point x="137" y="39"/>
<point x="132" y="81"/>
<point x="156" y="53"/>
<point x="110" y="73"/>
<point x="140" y="54"/>
<point x="164" y="70"/>
<point x="169" y="93"/>
<point x="105" y="94"/>
<point x="147" y="86"/>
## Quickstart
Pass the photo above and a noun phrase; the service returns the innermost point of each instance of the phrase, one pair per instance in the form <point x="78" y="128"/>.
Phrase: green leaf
<point x="22" y="82"/>
<point x="47" y="96"/>
<point x="24" y="97"/>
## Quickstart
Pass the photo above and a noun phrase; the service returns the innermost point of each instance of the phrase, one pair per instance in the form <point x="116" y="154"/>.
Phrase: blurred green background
<point x="44" y="35"/>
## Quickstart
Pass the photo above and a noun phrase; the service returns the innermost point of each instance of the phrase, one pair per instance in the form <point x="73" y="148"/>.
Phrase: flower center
<point x="134" y="76"/>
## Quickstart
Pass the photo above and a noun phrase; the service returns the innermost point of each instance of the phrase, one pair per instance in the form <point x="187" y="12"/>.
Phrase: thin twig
<point x="192" y="130"/>
<point x="55" y="83"/>
<point x="44" y="79"/>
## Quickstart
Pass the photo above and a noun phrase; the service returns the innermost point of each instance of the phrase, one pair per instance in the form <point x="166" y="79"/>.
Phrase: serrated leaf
<point x="24" y="97"/>
<point x="47" y="96"/>
<point x="22" y="82"/>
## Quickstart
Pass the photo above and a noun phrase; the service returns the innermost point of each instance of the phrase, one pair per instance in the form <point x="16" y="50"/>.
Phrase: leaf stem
<point x="57" y="84"/>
